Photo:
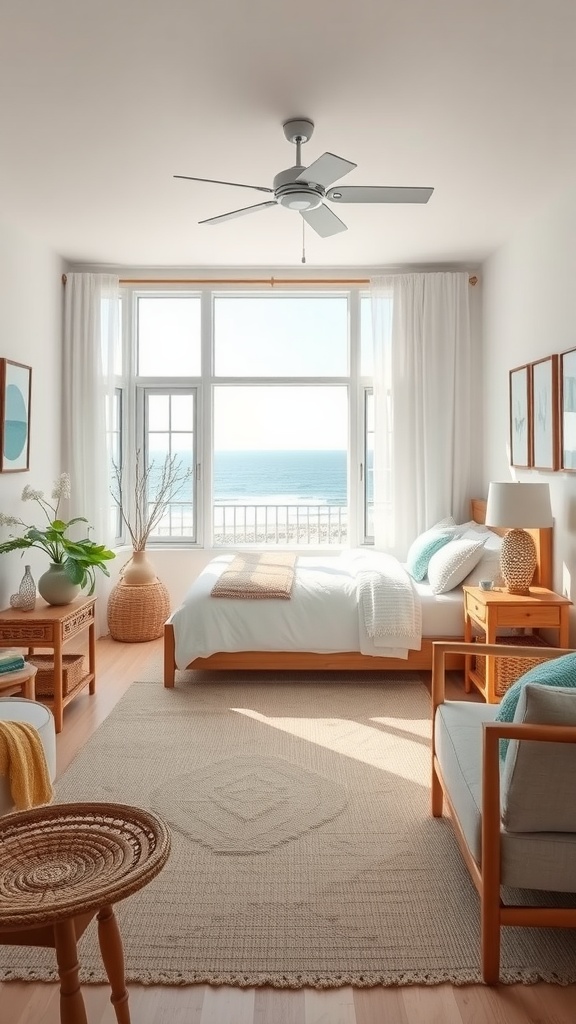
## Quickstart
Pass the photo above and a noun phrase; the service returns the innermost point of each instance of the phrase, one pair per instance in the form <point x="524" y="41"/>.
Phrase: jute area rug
<point x="304" y="852"/>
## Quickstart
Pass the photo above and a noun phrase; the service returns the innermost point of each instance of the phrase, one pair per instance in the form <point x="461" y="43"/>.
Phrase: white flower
<point x="8" y="520"/>
<point x="62" y="487"/>
<point x="30" y="495"/>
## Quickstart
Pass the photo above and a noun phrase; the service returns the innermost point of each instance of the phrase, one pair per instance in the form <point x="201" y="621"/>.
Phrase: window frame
<point x="135" y="387"/>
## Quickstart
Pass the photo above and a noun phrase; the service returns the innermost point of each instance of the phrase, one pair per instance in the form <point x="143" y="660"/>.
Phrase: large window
<point x="266" y="399"/>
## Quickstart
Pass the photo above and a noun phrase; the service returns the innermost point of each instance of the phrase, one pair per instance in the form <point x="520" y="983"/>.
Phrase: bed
<point x="321" y="620"/>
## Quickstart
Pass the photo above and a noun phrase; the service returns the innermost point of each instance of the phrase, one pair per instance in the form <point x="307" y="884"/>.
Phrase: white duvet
<point x="338" y="603"/>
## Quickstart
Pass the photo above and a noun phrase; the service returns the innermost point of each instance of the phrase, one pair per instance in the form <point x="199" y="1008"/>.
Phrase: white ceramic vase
<point x="56" y="587"/>
<point x="139" y="571"/>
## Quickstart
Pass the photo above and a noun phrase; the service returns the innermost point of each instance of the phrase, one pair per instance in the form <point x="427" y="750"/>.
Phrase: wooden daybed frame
<point x="349" y="660"/>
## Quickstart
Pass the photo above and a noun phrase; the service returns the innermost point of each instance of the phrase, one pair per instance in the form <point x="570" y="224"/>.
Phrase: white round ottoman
<point x="18" y="709"/>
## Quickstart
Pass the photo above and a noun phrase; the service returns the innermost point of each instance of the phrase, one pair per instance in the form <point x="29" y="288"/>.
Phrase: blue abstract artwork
<point x="15" y="425"/>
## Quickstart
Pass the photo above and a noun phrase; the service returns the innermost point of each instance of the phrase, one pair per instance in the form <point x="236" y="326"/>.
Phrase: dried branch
<point x="143" y="515"/>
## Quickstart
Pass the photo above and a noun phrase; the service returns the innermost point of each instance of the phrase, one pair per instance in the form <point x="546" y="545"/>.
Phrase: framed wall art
<point x="15" y="398"/>
<point x="568" y="410"/>
<point x="544" y="413"/>
<point x="520" y="432"/>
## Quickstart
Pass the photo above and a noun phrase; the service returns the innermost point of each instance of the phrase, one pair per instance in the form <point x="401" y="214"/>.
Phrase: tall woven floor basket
<point x="138" y="613"/>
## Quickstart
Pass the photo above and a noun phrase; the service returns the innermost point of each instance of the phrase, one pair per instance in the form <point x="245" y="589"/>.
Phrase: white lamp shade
<point x="518" y="506"/>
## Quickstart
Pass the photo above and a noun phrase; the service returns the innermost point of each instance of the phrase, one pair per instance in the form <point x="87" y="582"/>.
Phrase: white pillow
<point x="443" y="523"/>
<point x="452" y="563"/>
<point x="488" y="568"/>
<point x="472" y="527"/>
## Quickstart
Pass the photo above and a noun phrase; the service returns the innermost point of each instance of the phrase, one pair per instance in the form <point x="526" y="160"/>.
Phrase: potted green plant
<point x="72" y="562"/>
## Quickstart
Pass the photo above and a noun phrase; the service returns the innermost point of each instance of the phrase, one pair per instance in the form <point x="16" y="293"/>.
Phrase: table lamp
<point x="517" y="507"/>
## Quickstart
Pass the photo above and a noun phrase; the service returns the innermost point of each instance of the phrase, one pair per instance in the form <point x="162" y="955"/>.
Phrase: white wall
<point x="30" y="333"/>
<point x="530" y="312"/>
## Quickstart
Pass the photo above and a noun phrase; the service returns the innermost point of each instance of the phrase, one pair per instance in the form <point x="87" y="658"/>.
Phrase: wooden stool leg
<point x="113" y="959"/>
<point x="72" y="1010"/>
<point x="29" y="688"/>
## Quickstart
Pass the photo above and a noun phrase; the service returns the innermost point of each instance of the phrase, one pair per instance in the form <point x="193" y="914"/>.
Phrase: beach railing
<point x="279" y="524"/>
<point x="234" y="524"/>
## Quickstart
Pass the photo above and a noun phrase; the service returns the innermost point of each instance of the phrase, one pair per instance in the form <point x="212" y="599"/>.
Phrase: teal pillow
<point x="422" y="549"/>
<point x="555" y="672"/>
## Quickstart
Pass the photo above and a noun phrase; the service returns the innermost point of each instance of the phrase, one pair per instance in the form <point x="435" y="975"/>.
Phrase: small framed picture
<point x="520" y="428"/>
<point x="544" y="413"/>
<point x="568" y="410"/>
<point x="15" y="398"/>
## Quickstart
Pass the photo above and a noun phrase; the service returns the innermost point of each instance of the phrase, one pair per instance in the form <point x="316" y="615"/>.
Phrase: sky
<point x="291" y="336"/>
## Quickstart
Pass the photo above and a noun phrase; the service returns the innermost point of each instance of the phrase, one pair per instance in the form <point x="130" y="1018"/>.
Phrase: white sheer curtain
<point x="422" y="401"/>
<point x="90" y="351"/>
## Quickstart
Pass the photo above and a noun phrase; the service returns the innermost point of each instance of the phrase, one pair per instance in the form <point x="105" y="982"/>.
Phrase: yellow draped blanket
<point x="23" y="761"/>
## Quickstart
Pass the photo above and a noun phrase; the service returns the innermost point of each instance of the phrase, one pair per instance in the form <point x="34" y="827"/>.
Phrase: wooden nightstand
<point x="51" y="627"/>
<point x="492" y="610"/>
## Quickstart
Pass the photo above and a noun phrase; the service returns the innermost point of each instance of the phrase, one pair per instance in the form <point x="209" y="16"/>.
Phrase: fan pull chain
<point x="303" y="241"/>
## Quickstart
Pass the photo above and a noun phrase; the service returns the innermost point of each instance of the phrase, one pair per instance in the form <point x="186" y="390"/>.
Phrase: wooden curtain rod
<point x="252" y="280"/>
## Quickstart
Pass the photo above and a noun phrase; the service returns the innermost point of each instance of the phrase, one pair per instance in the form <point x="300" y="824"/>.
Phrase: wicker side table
<point x="62" y="865"/>
<point x="138" y="613"/>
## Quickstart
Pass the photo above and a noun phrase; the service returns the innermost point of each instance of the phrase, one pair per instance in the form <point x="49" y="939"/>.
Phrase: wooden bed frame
<point x="349" y="660"/>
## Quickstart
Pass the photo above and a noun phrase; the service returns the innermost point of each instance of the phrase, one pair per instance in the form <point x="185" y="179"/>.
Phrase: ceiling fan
<point x="305" y="188"/>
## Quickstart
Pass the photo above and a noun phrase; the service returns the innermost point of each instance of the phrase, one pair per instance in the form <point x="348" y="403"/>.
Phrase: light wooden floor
<point x="31" y="1003"/>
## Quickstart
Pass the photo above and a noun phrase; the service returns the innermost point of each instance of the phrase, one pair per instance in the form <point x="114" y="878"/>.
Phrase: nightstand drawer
<point x="532" y="616"/>
<point x="476" y="609"/>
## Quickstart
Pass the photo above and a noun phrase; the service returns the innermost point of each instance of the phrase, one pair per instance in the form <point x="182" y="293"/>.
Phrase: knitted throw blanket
<point x="257" y="575"/>
<point x="23" y="761"/>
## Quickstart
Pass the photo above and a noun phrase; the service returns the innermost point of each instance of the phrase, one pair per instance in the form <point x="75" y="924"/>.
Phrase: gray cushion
<point x="538" y="787"/>
<point x="458" y="741"/>
<point x="533" y="860"/>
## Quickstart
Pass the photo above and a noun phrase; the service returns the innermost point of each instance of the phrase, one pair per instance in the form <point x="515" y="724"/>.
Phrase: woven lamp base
<point x="137" y="614"/>
<point x="517" y="561"/>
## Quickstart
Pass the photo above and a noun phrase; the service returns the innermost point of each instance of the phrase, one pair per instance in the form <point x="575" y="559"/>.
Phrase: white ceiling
<point x="101" y="103"/>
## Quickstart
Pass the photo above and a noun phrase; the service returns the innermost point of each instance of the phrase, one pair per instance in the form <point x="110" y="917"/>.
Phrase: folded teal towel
<point x="12" y="666"/>
<point x="9" y="655"/>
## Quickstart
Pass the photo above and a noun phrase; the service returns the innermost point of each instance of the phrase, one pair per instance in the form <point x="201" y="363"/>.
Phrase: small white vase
<point x="56" y="587"/>
<point x="25" y="599"/>
<point x="139" y="571"/>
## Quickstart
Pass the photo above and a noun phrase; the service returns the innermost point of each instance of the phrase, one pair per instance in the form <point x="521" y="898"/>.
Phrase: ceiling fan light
<point x="300" y="199"/>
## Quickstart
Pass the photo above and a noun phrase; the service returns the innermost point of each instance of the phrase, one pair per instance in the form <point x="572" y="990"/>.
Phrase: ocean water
<point x="280" y="477"/>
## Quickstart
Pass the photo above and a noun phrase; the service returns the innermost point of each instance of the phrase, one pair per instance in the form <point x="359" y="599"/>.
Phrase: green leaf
<point x="15" y="544"/>
<point x="74" y="571"/>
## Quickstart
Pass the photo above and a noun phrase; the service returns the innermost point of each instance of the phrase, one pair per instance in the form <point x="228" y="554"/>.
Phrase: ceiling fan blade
<point x="326" y="169"/>
<point x="238" y="213"/>
<point x="378" y="194"/>
<point x="323" y="221"/>
<point x="214" y="181"/>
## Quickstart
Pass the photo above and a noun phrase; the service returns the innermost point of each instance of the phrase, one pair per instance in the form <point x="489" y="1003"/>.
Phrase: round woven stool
<point x="138" y="613"/>
<point x="22" y="681"/>
<point x="62" y="865"/>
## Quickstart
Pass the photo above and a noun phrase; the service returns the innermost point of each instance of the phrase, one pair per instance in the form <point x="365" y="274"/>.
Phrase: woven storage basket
<point x="136" y="614"/>
<point x="73" y="671"/>
<point x="508" y="670"/>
